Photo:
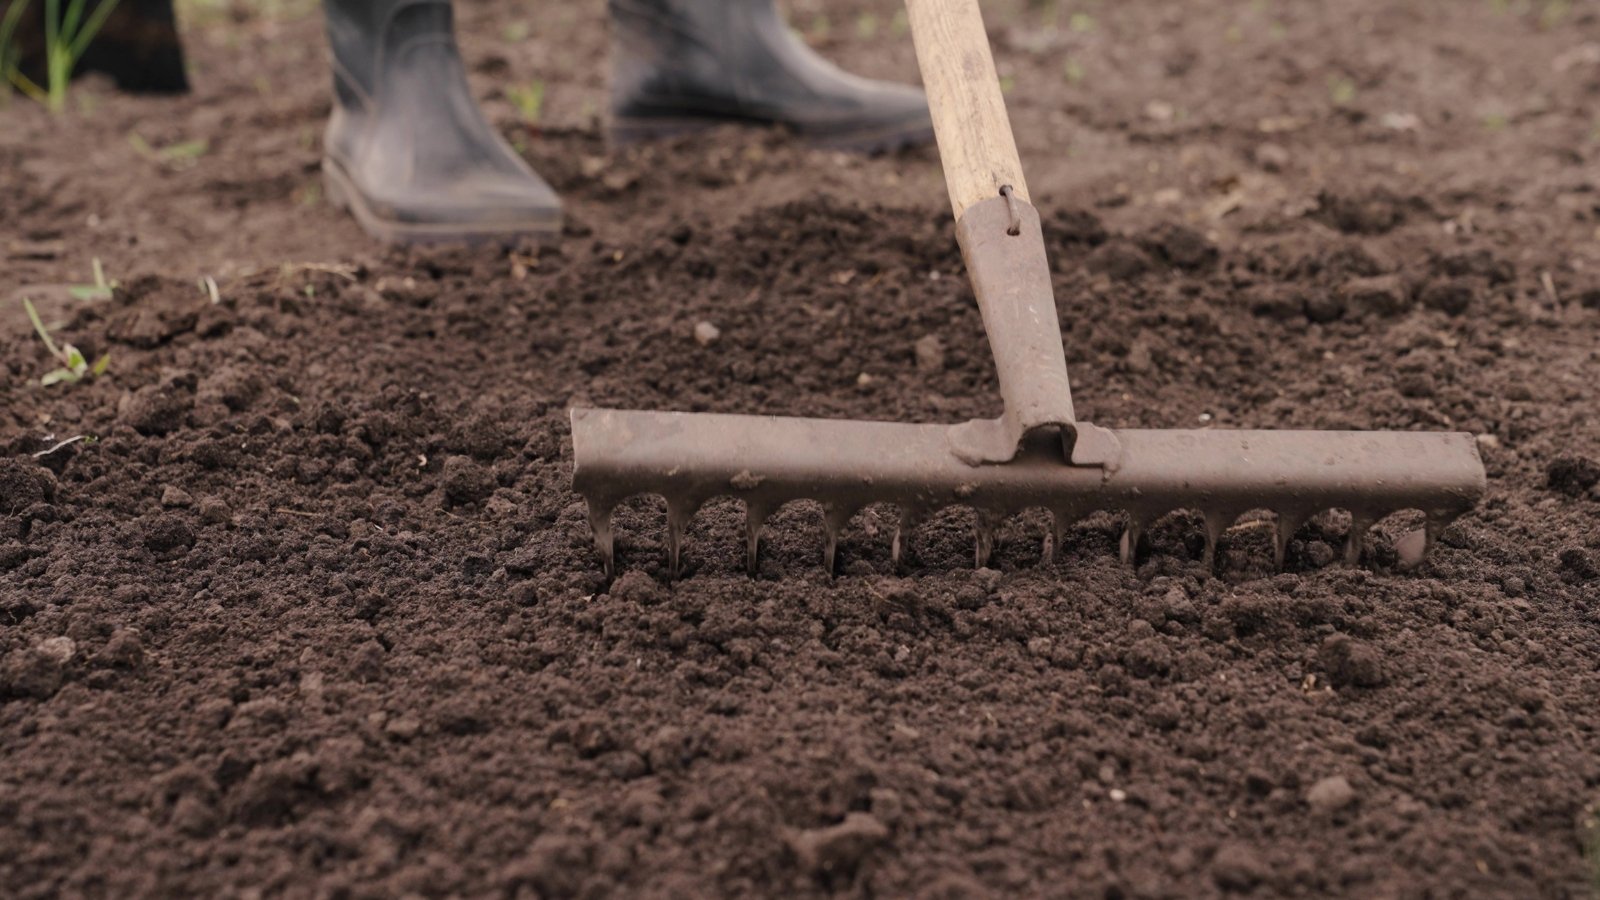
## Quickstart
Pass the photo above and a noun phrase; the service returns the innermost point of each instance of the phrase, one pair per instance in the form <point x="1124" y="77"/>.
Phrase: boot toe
<point x="482" y="199"/>
<point x="470" y="207"/>
<point x="885" y="116"/>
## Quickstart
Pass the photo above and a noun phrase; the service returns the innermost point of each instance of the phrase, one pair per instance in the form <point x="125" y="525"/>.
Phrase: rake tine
<point x="987" y="528"/>
<point x="604" y="537"/>
<point x="754" y="517"/>
<point x="834" y="519"/>
<point x="678" y="516"/>
<point x="1431" y="529"/>
<point x="1356" y="539"/>
<point x="1132" y="540"/>
<point x="902" y="535"/>
<point x="1215" y="524"/>
<point x="1283" y="532"/>
<point x="1058" y="526"/>
<point x="1414" y="546"/>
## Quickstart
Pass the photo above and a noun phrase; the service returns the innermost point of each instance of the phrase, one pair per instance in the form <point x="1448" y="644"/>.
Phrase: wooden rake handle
<point x="969" y="114"/>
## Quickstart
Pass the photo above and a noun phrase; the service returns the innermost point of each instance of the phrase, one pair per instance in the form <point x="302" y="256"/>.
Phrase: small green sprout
<point x="819" y="28"/>
<point x="181" y="154"/>
<point x="1081" y="22"/>
<point x="101" y="288"/>
<point x="85" y="439"/>
<point x="1073" y="71"/>
<point x="10" y="78"/>
<point x="67" y="35"/>
<point x="1341" y="90"/>
<point x="1553" y="11"/>
<point x="73" y="366"/>
<point x="528" y="99"/>
<point x="516" y="32"/>
<point x="866" y="26"/>
<point x="899" y="24"/>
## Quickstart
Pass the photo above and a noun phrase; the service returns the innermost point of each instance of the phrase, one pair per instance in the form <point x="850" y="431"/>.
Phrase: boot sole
<point x="624" y="132"/>
<point x="342" y="193"/>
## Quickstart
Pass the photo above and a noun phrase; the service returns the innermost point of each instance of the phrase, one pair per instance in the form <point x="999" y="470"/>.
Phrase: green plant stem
<point x="38" y="325"/>
<point x="8" y="48"/>
<point x="56" y="88"/>
<point x="66" y="39"/>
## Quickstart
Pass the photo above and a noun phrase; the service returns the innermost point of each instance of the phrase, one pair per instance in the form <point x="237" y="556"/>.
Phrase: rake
<point x="1037" y="454"/>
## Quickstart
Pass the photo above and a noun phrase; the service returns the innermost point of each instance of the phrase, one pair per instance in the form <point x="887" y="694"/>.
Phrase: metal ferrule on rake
<point x="1037" y="454"/>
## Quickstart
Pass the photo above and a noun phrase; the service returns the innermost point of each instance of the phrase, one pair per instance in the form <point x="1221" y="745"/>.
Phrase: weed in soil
<point x="73" y="365"/>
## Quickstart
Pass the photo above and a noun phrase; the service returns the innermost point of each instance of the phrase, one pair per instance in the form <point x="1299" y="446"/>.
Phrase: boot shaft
<point x="366" y="37"/>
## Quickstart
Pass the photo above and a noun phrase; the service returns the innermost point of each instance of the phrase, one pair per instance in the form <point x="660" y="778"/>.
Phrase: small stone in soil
<point x="1324" y="306"/>
<point x="1351" y="662"/>
<point x="554" y="866"/>
<point x="61" y="649"/>
<point x="36" y="672"/>
<point x="706" y="334"/>
<point x="174" y="497"/>
<point x="1380" y="295"/>
<point x="166" y="534"/>
<point x="1331" y="794"/>
<point x="1272" y="157"/>
<point x="839" y="848"/>
<point x="1373" y="212"/>
<point x="1449" y="296"/>
<point x="466" y="482"/>
<point x="159" y="409"/>
<point x="22" y="484"/>
<point x="1182" y="247"/>
<point x="1237" y="867"/>
<point x="1141" y="358"/>
<point x="1578" y="565"/>
<point x="403" y="728"/>
<point x="930" y="354"/>
<point x="214" y="511"/>
<point x="1572" y="475"/>
<point x="125" y="649"/>
<point x="1120" y="259"/>
<point x="1280" y="302"/>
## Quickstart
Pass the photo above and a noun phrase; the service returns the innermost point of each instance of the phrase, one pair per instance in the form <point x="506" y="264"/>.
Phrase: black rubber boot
<point x="407" y="150"/>
<point x="684" y="65"/>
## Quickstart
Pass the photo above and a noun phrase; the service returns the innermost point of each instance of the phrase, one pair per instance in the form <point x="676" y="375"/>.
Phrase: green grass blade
<point x="24" y="84"/>
<point x="52" y="21"/>
<point x="69" y="23"/>
<point x="8" y="31"/>
<point x="91" y="28"/>
<point x="38" y="325"/>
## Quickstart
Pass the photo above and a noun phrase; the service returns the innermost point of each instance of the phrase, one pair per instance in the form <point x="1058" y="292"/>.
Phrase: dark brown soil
<point x="311" y="609"/>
